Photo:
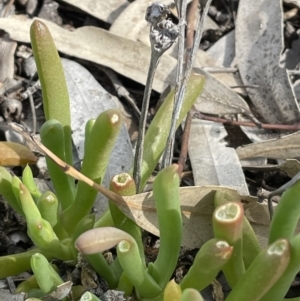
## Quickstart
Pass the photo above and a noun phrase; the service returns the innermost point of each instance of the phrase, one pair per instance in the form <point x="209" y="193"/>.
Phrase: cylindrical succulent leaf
<point x="48" y="206"/>
<point x="6" y="190"/>
<point x="251" y="246"/>
<point x="28" y="180"/>
<point x="54" y="87"/>
<point x="210" y="259"/>
<point x="263" y="273"/>
<point x="278" y="291"/>
<point x="228" y="226"/>
<point x="100" y="143"/>
<point x="15" y="185"/>
<point x="46" y="276"/>
<point x="52" y="135"/>
<point x="87" y="223"/>
<point x="172" y="291"/>
<point x="158" y="131"/>
<point x="17" y="263"/>
<point x="100" y="265"/>
<point x="87" y="134"/>
<point x="191" y="294"/>
<point x="123" y="184"/>
<point x="101" y="239"/>
<point x="27" y="285"/>
<point x="286" y="215"/>
<point x="166" y="196"/>
<point x="87" y="296"/>
<point x="39" y="230"/>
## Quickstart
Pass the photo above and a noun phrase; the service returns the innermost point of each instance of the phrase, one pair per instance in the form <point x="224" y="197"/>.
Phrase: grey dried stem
<point x="181" y="9"/>
<point x="163" y="34"/>
<point x="168" y="154"/>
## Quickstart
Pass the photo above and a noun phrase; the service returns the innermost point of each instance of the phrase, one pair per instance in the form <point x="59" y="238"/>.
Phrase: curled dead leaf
<point x="15" y="154"/>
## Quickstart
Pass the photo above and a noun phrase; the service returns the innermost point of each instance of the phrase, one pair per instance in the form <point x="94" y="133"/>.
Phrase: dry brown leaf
<point x="259" y="43"/>
<point x="125" y="56"/>
<point x="287" y="147"/>
<point x="214" y="163"/>
<point x="15" y="154"/>
<point x="107" y="10"/>
<point x="291" y="167"/>
<point x="197" y="205"/>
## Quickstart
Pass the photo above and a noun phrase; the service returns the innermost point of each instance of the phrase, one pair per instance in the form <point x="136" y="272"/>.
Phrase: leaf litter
<point x="96" y="45"/>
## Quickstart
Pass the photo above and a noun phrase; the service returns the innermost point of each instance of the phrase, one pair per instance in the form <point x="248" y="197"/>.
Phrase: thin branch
<point x="188" y="122"/>
<point x="167" y="158"/>
<point x="184" y="144"/>
<point x="163" y="34"/>
<point x="33" y="114"/>
<point x="143" y="120"/>
<point x="266" y="126"/>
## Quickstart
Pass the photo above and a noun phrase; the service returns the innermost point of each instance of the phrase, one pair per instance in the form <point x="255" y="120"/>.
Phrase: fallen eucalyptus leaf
<point x="212" y="162"/>
<point x="216" y="98"/>
<point x="197" y="206"/>
<point x="291" y="167"/>
<point x="125" y="56"/>
<point x="295" y="3"/>
<point x="6" y="295"/>
<point x="287" y="147"/>
<point x="223" y="51"/>
<point x="128" y="58"/>
<point x="60" y="293"/>
<point x="258" y="47"/>
<point x="107" y="10"/>
<point x="136" y="29"/>
<point x="15" y="154"/>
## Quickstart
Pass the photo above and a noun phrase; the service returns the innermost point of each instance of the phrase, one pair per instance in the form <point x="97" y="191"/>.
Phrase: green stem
<point x="105" y="220"/>
<point x="100" y="265"/>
